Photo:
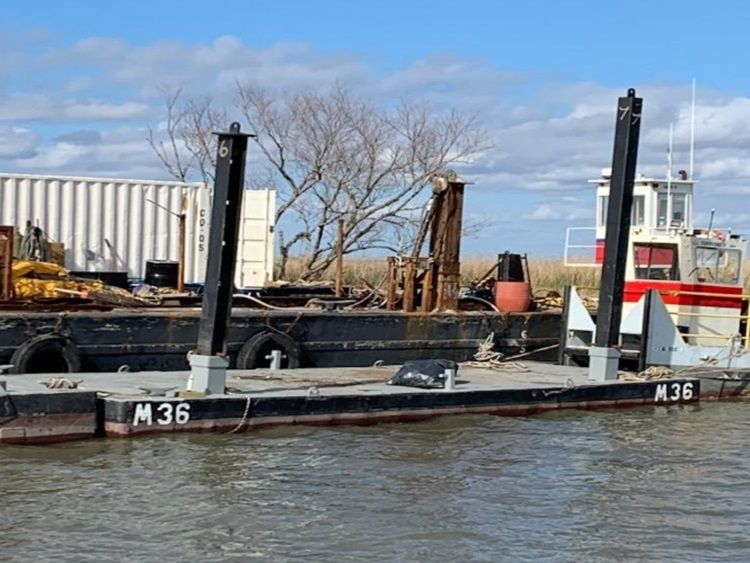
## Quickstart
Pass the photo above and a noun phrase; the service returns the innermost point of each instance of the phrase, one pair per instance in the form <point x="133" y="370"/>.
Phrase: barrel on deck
<point x="161" y="273"/>
<point x="512" y="290"/>
<point x="512" y="296"/>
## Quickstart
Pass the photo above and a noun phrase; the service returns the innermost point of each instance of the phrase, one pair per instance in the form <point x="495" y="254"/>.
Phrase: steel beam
<point x="7" y="240"/>
<point x="445" y="240"/>
<point x="222" y="242"/>
<point x="624" y="159"/>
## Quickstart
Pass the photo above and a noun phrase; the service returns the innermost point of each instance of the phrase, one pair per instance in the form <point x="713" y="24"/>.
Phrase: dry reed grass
<point x="545" y="274"/>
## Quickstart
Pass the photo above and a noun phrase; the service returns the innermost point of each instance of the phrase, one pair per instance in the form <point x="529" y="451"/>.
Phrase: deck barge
<point x="160" y="339"/>
<point x="124" y="405"/>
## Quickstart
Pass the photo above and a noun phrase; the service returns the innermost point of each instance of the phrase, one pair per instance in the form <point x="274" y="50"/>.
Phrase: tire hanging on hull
<point x="49" y="353"/>
<point x="253" y="353"/>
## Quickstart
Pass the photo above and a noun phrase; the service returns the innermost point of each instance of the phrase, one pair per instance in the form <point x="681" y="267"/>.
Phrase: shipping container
<point x="118" y="225"/>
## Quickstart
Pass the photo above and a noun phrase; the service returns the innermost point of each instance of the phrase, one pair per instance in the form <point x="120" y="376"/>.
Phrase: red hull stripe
<point x="634" y="290"/>
<point x="599" y="252"/>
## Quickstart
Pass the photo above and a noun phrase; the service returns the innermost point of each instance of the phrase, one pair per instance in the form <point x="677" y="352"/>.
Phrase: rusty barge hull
<point x="145" y="340"/>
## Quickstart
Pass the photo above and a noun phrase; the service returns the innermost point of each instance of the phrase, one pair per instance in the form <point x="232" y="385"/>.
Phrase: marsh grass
<point x="545" y="274"/>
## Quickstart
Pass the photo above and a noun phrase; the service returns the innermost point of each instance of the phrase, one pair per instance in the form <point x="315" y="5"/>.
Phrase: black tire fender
<point x="31" y="352"/>
<point x="249" y="355"/>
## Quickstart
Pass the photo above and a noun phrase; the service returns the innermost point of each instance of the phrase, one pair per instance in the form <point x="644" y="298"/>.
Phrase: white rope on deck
<point x="651" y="373"/>
<point x="665" y="372"/>
<point x="488" y="357"/>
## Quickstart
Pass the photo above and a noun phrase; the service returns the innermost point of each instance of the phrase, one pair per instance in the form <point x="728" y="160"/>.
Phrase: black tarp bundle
<point x="426" y="374"/>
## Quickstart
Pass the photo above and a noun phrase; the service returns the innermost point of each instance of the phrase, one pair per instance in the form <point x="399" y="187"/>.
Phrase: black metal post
<point x="222" y="242"/>
<point x="624" y="158"/>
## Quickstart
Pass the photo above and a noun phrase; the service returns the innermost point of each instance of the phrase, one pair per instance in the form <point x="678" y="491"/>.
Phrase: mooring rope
<point x="243" y="421"/>
<point x="61" y="383"/>
<point x="665" y="372"/>
<point x="648" y="374"/>
<point x="487" y="357"/>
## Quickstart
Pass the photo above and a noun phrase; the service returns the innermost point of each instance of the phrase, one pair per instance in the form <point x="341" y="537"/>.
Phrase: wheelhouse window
<point x="679" y="205"/>
<point x="637" y="216"/>
<point x="679" y="210"/>
<point x="655" y="261"/>
<point x="603" y="205"/>
<point x="717" y="265"/>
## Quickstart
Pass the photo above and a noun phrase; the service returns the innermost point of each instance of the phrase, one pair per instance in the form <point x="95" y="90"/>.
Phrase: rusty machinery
<point x="433" y="282"/>
<point x="7" y="238"/>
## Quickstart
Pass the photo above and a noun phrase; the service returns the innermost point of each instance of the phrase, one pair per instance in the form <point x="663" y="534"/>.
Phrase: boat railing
<point x="662" y="231"/>
<point x="581" y="242"/>
<point x="713" y="232"/>
<point x="580" y="247"/>
<point x="743" y="319"/>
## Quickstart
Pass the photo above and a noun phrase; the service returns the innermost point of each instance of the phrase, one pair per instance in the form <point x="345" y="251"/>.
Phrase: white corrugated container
<point x="116" y="225"/>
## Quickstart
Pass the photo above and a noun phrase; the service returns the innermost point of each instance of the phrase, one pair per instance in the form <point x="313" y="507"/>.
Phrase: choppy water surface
<point x="646" y="484"/>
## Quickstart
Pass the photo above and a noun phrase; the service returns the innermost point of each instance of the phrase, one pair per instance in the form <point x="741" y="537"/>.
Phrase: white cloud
<point x="563" y="209"/>
<point x="25" y="107"/>
<point x="101" y="48"/>
<point x="551" y="135"/>
<point x="544" y="212"/>
<point x="440" y="78"/>
<point x="94" y="111"/>
<point x="17" y="142"/>
<point x="50" y="108"/>
<point x="204" y="68"/>
<point x="121" y="153"/>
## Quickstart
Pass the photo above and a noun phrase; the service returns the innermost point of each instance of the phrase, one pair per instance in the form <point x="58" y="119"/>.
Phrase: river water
<point x="656" y="484"/>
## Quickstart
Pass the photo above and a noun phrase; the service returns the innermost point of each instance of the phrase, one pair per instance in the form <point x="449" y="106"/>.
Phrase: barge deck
<point x="112" y="405"/>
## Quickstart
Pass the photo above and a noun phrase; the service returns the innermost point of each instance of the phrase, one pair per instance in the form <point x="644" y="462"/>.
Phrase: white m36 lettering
<point x="167" y="413"/>
<point x="674" y="392"/>
<point x="143" y="414"/>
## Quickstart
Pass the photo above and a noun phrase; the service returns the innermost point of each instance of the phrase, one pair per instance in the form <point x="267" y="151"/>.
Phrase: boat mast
<point x="692" y="130"/>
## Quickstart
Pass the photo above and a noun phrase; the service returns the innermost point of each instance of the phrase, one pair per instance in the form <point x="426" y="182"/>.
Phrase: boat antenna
<point x="711" y="220"/>
<point x="692" y="130"/>
<point x="669" y="178"/>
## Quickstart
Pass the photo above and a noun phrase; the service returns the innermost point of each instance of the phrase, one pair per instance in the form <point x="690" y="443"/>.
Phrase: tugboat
<point x="698" y="273"/>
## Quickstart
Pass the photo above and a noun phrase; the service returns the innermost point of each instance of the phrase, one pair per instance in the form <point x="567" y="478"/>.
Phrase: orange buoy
<point x="512" y="296"/>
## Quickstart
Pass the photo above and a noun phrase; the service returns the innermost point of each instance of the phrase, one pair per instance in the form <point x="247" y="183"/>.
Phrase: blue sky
<point x="80" y="80"/>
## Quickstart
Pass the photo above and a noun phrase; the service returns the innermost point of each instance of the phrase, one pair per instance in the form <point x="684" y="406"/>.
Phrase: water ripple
<point x="644" y="484"/>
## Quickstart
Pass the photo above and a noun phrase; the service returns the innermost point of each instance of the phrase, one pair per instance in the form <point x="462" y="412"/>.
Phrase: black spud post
<point x="208" y="365"/>
<point x="604" y="355"/>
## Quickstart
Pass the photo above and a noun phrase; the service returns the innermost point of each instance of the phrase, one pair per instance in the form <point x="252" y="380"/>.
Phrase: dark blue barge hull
<point x="160" y="339"/>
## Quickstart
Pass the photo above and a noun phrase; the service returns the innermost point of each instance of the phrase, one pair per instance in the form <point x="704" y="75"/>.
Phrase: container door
<point x="255" y="249"/>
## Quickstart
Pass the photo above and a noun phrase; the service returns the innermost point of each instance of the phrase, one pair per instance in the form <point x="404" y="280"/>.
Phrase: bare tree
<point x="200" y="121"/>
<point x="334" y="156"/>
<point x="168" y="150"/>
<point x="185" y="142"/>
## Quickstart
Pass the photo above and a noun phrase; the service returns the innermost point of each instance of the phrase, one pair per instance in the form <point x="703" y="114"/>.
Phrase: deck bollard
<point x="275" y="357"/>
<point x="208" y="374"/>
<point x="450" y="379"/>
